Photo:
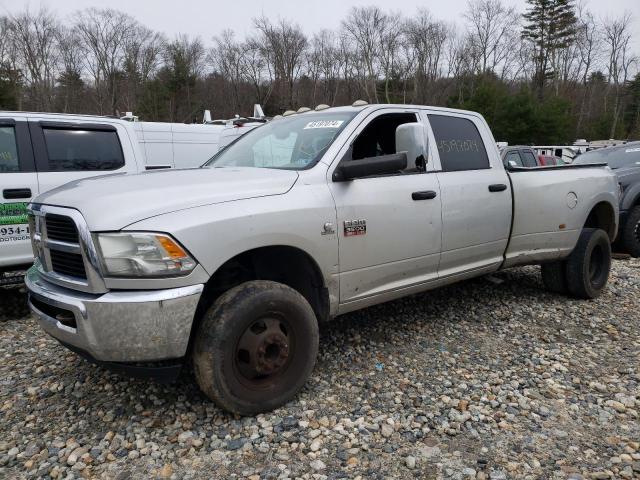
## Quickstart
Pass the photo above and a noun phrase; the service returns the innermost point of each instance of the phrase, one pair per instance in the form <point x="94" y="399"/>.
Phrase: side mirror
<point x="382" y="165"/>
<point x="412" y="138"/>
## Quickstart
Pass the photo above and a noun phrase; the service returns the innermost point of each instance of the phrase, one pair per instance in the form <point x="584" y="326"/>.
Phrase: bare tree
<point x="428" y="39"/>
<point x="103" y="34"/>
<point x="256" y="71"/>
<point x="142" y="58"/>
<point x="36" y="36"/>
<point x="10" y="72"/>
<point x="227" y="57"/>
<point x="365" y="26"/>
<point x="283" y="46"/>
<point x="617" y="38"/>
<point x="588" y="44"/>
<point x="491" y="25"/>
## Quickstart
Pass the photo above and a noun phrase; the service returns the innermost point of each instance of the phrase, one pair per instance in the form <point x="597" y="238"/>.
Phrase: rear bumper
<point x="118" y="326"/>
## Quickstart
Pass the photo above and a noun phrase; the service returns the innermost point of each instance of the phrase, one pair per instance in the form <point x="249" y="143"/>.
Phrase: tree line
<point x="549" y="74"/>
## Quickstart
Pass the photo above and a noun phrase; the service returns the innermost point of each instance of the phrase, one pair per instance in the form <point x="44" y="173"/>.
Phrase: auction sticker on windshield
<point x="324" y="124"/>
<point x="13" y="222"/>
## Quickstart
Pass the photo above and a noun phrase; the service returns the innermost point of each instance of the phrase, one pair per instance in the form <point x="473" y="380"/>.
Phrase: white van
<point x="180" y="145"/>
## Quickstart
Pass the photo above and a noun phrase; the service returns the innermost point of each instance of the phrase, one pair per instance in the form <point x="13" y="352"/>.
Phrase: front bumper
<point x="118" y="326"/>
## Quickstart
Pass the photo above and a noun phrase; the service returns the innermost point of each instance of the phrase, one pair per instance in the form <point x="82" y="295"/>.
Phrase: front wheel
<point x="256" y="347"/>
<point x="631" y="232"/>
<point x="589" y="264"/>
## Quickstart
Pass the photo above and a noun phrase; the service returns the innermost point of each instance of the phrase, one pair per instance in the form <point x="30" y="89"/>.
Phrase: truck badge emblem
<point x="355" y="227"/>
<point x="327" y="229"/>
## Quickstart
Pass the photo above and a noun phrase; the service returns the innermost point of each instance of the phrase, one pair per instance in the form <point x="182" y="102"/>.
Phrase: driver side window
<point x="379" y="136"/>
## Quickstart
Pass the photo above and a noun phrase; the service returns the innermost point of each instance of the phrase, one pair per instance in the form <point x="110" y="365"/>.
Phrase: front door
<point x="388" y="226"/>
<point x="19" y="184"/>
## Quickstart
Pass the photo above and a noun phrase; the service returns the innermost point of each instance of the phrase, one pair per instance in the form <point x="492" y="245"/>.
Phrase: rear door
<point x="476" y="195"/>
<point x="19" y="184"/>
<point x="68" y="151"/>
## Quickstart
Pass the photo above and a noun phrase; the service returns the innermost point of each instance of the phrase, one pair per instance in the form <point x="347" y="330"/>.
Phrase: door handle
<point x="426" y="195"/>
<point x="13" y="193"/>
<point x="497" y="187"/>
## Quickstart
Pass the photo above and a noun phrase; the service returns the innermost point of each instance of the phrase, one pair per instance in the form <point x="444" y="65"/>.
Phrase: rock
<point x="410" y="462"/>
<point x="166" y="471"/>
<point x="184" y="436"/>
<point x="386" y="430"/>
<point x="468" y="473"/>
<point x="318" y="465"/>
<point x="235" y="444"/>
<point x="315" y="445"/>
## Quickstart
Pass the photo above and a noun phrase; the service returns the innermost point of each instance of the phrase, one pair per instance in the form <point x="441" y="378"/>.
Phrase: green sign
<point x="13" y="213"/>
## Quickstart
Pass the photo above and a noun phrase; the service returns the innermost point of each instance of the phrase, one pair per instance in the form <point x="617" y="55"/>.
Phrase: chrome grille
<point x="64" y="250"/>
<point x="61" y="228"/>
<point x="67" y="263"/>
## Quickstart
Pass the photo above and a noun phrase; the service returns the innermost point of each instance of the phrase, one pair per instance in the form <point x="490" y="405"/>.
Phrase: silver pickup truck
<point x="231" y="266"/>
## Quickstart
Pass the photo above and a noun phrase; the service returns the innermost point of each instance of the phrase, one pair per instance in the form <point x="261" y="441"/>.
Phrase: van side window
<point x="459" y="143"/>
<point x="379" y="136"/>
<point x="82" y="150"/>
<point x="8" y="150"/>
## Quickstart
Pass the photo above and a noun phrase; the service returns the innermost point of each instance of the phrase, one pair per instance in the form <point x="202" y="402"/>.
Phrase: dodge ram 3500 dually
<point x="232" y="265"/>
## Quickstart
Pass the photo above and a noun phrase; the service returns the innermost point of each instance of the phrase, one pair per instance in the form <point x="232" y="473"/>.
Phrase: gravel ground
<point x="491" y="378"/>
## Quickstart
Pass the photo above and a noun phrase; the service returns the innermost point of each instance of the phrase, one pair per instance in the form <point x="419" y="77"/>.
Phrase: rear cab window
<point x="528" y="158"/>
<point x="459" y="143"/>
<point x="77" y="149"/>
<point x="9" y="161"/>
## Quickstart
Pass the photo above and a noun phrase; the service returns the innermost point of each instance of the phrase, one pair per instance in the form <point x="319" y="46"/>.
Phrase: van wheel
<point x="256" y="347"/>
<point x="631" y="232"/>
<point x="554" y="277"/>
<point x="589" y="264"/>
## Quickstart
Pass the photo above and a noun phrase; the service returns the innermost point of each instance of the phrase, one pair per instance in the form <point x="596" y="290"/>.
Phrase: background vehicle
<point x="519" y="156"/>
<point x="624" y="160"/>
<point x="181" y="145"/>
<point x="40" y="152"/>
<point x="550" y="160"/>
<point x="313" y="215"/>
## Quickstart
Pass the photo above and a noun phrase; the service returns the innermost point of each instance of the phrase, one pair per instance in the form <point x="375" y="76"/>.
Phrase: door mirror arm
<point x="366" y="167"/>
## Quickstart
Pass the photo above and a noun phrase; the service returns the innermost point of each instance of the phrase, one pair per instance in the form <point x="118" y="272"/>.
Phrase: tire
<point x="256" y="347"/>
<point x="589" y="264"/>
<point x="631" y="232"/>
<point x="554" y="277"/>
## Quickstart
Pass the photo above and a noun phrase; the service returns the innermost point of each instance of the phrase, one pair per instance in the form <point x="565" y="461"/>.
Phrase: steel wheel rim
<point x="263" y="351"/>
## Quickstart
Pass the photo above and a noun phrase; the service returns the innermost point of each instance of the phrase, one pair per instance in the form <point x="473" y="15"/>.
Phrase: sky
<point x="206" y="18"/>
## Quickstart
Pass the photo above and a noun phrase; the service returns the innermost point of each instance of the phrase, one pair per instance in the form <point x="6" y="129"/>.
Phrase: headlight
<point x="133" y="254"/>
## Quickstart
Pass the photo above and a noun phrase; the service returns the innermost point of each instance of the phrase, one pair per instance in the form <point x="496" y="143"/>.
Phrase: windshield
<point x="291" y="143"/>
<point x="625" y="156"/>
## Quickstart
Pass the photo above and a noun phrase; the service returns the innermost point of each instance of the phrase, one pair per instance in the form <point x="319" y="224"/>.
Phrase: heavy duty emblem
<point x="355" y="227"/>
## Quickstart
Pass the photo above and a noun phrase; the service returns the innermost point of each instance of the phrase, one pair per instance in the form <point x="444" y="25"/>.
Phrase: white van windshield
<point x="291" y="143"/>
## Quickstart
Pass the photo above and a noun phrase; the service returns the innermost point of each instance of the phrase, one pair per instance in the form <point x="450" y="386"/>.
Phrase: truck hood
<point x="111" y="202"/>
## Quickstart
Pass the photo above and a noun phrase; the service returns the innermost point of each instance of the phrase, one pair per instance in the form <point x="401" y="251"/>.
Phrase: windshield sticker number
<point x="324" y="124"/>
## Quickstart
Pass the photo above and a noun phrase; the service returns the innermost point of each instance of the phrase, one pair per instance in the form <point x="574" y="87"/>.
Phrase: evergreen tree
<point x="550" y="26"/>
